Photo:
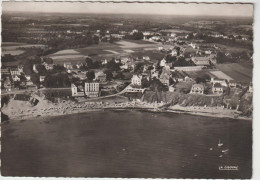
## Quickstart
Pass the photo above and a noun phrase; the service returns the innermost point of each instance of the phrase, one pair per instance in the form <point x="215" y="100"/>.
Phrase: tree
<point x="90" y="75"/>
<point x="138" y="35"/>
<point x="41" y="69"/>
<point x="89" y="62"/>
<point x="7" y="58"/>
<point x="109" y="74"/>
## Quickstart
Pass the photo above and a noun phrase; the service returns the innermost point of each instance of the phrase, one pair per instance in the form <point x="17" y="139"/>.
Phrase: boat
<point x="219" y="143"/>
<point x="225" y="150"/>
<point x="210" y="149"/>
<point x="221" y="156"/>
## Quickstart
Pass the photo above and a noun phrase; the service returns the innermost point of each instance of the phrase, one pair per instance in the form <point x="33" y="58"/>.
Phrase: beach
<point x="19" y="110"/>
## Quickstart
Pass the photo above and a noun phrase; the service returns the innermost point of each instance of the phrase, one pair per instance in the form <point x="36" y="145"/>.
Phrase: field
<point x="14" y="48"/>
<point x="195" y="74"/>
<point x="108" y="50"/>
<point x="221" y="75"/>
<point x="241" y="72"/>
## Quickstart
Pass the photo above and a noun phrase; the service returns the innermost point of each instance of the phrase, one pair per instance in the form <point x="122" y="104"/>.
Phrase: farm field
<point x="241" y="72"/>
<point x="221" y="75"/>
<point x="108" y="50"/>
<point x="195" y="74"/>
<point x="13" y="48"/>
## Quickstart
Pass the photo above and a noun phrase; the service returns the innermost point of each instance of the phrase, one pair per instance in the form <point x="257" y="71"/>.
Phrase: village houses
<point x="197" y="89"/>
<point x="136" y="80"/>
<point x="217" y="89"/>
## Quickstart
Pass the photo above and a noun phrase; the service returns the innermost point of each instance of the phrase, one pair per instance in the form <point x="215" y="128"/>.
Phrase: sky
<point x="132" y="8"/>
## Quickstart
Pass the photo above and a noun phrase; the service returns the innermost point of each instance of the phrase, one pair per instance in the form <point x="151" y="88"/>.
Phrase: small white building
<point x="77" y="91"/>
<point x="197" y="89"/>
<point x="217" y="89"/>
<point x="42" y="78"/>
<point x="222" y="82"/>
<point x="136" y="80"/>
<point x="92" y="89"/>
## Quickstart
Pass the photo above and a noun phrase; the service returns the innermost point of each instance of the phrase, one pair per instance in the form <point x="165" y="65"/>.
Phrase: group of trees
<point x="154" y="85"/>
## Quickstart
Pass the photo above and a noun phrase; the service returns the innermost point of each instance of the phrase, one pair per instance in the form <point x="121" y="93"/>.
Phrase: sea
<point x="127" y="144"/>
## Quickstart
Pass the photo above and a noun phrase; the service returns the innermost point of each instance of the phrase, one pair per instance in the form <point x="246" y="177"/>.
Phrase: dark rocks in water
<point x="34" y="101"/>
<point x="4" y="117"/>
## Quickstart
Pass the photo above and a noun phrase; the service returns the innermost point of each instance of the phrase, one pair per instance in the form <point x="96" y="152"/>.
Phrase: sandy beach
<point x="20" y="110"/>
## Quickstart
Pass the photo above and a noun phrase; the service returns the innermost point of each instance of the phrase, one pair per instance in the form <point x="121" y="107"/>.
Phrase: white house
<point x="136" y="80"/>
<point x="217" y="89"/>
<point x="197" y="89"/>
<point x="163" y="62"/>
<point x="92" y="89"/>
<point x="77" y="91"/>
<point x="222" y="82"/>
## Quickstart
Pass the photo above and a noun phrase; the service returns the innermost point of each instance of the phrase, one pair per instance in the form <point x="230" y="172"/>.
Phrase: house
<point x="100" y="76"/>
<point x="145" y="68"/>
<point x="232" y="83"/>
<point x="14" y="71"/>
<point x="201" y="61"/>
<point x="155" y="74"/>
<point x="147" y="58"/>
<point x="48" y="66"/>
<point x="104" y="61"/>
<point x="188" y="79"/>
<point x="79" y="65"/>
<point x="160" y="48"/>
<point x="197" y="89"/>
<point x="77" y="91"/>
<point x="20" y="68"/>
<point x="222" y="82"/>
<point x="117" y="60"/>
<point x="92" y="89"/>
<point x="163" y="63"/>
<point x="172" y="89"/>
<point x="68" y="65"/>
<point x="131" y="89"/>
<point x="136" y="80"/>
<point x="42" y="78"/>
<point x="217" y="89"/>
<point x="165" y="79"/>
<point x="7" y="84"/>
<point x="27" y="77"/>
<point x="125" y="66"/>
<point x="15" y="78"/>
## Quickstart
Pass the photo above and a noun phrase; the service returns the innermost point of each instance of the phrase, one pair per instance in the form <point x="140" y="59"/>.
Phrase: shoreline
<point x="155" y="110"/>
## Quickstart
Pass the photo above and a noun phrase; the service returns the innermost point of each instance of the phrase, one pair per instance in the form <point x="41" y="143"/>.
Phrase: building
<point x="197" y="89"/>
<point x="172" y="89"/>
<point x="217" y="89"/>
<point x="188" y="68"/>
<point x="201" y="61"/>
<point x="27" y="77"/>
<point x="79" y="65"/>
<point x="155" y="74"/>
<point x="163" y="62"/>
<point x="100" y="76"/>
<point x="232" y="83"/>
<point x="20" y="69"/>
<point x="92" y="89"/>
<point x="147" y="58"/>
<point x="104" y="61"/>
<point x="165" y="79"/>
<point x="131" y="89"/>
<point x="136" y="80"/>
<point x="14" y="71"/>
<point x="42" y="78"/>
<point x="222" y="82"/>
<point x="16" y="78"/>
<point x="77" y="91"/>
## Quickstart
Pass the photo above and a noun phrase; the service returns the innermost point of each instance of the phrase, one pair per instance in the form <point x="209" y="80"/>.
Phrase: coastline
<point x="155" y="110"/>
